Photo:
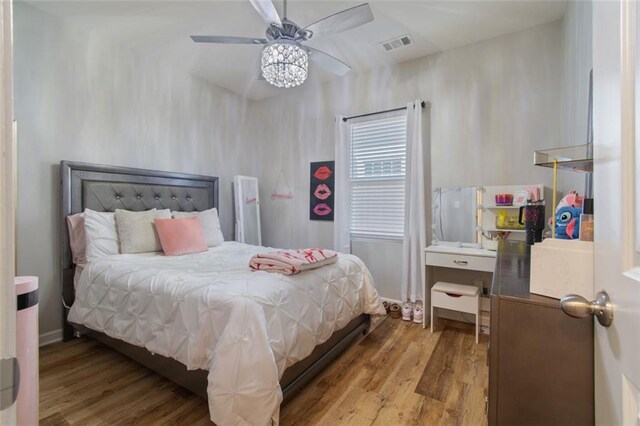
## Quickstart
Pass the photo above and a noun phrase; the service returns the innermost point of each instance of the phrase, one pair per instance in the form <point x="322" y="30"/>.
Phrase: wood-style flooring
<point x="399" y="374"/>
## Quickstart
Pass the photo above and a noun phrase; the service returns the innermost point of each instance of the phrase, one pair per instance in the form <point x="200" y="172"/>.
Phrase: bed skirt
<point x="293" y="380"/>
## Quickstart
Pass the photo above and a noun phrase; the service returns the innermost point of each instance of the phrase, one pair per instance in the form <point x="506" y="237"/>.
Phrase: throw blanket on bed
<point x="290" y="262"/>
<point x="209" y="311"/>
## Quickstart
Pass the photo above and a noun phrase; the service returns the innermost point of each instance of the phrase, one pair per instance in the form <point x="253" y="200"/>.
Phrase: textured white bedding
<point x="210" y="311"/>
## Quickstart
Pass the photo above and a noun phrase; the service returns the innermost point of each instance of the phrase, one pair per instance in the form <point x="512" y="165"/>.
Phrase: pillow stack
<point x="181" y="236"/>
<point x="210" y="222"/>
<point x="137" y="232"/>
<point x="93" y="234"/>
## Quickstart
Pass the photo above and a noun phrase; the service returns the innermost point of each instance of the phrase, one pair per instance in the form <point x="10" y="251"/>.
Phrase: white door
<point x="617" y="211"/>
<point x="7" y="199"/>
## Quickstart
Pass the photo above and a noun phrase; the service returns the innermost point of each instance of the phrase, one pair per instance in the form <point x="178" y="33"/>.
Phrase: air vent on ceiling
<point x="397" y="42"/>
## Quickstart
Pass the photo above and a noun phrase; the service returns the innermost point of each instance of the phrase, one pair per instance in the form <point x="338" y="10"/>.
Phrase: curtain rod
<point x="423" y="104"/>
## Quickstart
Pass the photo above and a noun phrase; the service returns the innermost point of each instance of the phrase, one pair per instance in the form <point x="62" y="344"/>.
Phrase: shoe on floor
<point x="418" y="314"/>
<point x="407" y="311"/>
<point x="387" y="306"/>
<point x="395" y="311"/>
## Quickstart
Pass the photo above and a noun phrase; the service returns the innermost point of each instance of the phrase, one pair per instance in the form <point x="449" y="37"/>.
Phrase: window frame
<point x="369" y="236"/>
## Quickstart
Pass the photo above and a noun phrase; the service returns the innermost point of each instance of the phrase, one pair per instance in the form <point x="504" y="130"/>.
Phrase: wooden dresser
<point x="540" y="359"/>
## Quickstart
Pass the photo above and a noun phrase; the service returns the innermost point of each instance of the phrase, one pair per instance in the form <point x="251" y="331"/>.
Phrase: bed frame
<point x="107" y="188"/>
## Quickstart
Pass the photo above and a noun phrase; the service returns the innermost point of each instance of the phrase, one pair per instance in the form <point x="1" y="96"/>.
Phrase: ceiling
<point x="162" y="29"/>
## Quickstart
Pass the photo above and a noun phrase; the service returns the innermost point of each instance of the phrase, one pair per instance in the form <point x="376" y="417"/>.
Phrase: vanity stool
<point x="457" y="297"/>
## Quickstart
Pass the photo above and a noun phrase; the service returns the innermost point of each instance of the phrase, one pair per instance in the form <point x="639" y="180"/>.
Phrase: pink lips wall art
<point x="321" y="190"/>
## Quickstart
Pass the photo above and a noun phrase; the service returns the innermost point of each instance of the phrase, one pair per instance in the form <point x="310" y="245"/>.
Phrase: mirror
<point x="455" y="216"/>
<point x="247" y="208"/>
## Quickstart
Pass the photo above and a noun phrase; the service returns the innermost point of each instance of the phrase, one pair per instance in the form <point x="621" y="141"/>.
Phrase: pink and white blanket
<point x="290" y="262"/>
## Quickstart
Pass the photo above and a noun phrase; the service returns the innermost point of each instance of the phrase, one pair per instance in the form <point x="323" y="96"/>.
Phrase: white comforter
<point x="209" y="311"/>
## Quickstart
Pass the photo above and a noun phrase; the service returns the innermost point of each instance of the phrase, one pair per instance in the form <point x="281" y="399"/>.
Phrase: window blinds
<point x="377" y="176"/>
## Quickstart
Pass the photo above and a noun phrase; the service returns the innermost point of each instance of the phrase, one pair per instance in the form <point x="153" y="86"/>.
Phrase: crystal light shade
<point x="285" y="64"/>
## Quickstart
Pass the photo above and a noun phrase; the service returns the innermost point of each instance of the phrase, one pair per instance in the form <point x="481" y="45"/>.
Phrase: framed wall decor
<point x="321" y="198"/>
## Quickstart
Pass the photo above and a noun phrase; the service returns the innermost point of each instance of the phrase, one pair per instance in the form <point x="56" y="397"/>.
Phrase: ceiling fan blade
<point x="328" y="62"/>
<point x="228" y="39"/>
<point x="342" y="21"/>
<point x="267" y="11"/>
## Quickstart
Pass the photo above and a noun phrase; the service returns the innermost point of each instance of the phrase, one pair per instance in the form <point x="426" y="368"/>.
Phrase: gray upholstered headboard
<point x="107" y="188"/>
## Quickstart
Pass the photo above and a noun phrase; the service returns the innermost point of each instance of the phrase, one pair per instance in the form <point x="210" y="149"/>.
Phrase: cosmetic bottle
<point x="586" y="220"/>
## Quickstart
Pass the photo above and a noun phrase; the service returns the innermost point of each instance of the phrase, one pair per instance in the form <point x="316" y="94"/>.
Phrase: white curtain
<point x="413" y="244"/>
<point x="342" y="198"/>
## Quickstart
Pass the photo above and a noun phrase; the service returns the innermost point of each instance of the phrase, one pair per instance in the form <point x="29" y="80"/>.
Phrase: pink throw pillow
<point x="77" y="239"/>
<point x="181" y="236"/>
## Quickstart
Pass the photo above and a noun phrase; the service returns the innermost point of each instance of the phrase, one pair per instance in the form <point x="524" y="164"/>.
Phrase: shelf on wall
<point x="574" y="158"/>
<point x="503" y="230"/>
<point x="496" y="207"/>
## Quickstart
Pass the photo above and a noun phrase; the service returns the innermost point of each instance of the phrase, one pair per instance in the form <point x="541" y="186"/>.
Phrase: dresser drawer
<point x="458" y="303"/>
<point x="460" y="261"/>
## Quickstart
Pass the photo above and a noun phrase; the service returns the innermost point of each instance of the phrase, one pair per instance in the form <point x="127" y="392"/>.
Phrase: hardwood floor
<point x="399" y="374"/>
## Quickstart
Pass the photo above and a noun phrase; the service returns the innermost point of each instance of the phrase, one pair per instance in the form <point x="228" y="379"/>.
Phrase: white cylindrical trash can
<point x="27" y="350"/>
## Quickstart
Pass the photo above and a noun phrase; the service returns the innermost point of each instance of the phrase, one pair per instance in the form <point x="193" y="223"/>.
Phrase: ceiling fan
<point x="284" y="60"/>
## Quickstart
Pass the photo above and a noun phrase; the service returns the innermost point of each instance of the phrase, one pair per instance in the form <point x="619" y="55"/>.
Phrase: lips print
<point x="323" y="173"/>
<point x="322" y="192"/>
<point x="322" y="209"/>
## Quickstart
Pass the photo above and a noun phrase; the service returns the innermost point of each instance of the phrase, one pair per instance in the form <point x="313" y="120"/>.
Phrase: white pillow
<point x="210" y="223"/>
<point x="101" y="234"/>
<point x="137" y="232"/>
<point x="77" y="238"/>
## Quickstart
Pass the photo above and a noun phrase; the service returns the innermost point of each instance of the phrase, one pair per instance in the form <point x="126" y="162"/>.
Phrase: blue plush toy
<point x="568" y="222"/>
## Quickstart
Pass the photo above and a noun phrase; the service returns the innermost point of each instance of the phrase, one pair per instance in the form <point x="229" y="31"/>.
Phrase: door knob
<point x="579" y="307"/>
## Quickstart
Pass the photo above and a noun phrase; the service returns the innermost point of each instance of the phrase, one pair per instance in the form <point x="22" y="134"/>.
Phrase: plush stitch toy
<point x="568" y="223"/>
<point x="568" y="216"/>
<point x="572" y="199"/>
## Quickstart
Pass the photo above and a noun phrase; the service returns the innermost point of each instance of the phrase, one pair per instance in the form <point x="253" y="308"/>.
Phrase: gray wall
<point x="493" y="104"/>
<point x="577" y="35"/>
<point x="81" y="98"/>
<point x="577" y="63"/>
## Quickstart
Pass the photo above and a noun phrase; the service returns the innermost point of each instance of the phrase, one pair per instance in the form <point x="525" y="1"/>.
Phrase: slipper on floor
<point x="396" y="312"/>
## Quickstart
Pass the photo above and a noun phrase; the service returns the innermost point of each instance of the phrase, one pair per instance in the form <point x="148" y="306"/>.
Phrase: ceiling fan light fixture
<point x="285" y="63"/>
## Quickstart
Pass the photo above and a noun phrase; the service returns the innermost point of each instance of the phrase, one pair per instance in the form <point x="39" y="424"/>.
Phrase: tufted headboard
<point x="107" y="188"/>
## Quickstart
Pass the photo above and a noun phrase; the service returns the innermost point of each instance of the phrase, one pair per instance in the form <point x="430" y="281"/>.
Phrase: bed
<point x="261" y="336"/>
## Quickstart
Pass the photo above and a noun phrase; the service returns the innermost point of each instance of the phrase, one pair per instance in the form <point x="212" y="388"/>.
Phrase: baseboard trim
<point x="50" y="337"/>
<point x="398" y="301"/>
<point x="387" y="299"/>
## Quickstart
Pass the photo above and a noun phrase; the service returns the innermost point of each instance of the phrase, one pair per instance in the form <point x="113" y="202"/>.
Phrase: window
<point x="378" y="152"/>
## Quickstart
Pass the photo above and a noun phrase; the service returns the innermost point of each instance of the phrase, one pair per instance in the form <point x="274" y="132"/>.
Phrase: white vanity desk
<point x="470" y="215"/>
<point x="473" y="259"/>
<point x="480" y="261"/>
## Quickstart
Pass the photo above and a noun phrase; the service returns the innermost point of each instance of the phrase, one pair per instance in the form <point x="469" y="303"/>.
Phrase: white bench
<point x="457" y="297"/>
